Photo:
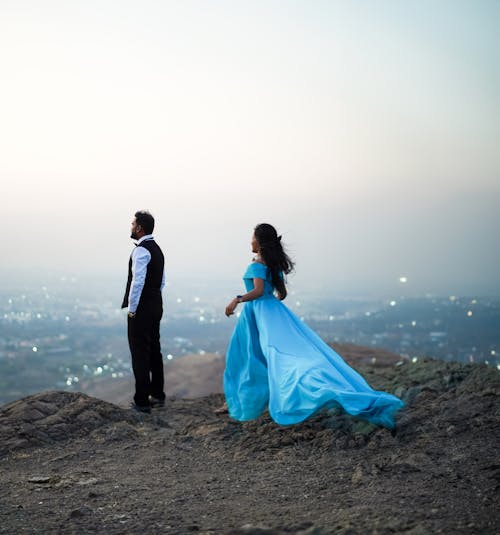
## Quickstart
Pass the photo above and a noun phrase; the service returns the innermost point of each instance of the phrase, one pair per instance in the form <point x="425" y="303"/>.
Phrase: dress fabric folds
<point x="275" y="361"/>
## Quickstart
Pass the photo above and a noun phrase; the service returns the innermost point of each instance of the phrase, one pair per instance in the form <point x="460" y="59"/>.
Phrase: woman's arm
<point x="258" y="290"/>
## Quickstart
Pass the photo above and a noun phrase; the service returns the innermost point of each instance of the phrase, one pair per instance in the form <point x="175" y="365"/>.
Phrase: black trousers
<point x="144" y="343"/>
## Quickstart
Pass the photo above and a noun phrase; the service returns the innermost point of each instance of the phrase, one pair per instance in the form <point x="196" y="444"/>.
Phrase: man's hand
<point x="131" y="314"/>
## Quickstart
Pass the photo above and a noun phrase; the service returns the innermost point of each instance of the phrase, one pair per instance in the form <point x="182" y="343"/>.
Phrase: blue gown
<point x="275" y="361"/>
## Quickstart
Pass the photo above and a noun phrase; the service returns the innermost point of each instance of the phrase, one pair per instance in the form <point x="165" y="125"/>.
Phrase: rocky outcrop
<point x="49" y="417"/>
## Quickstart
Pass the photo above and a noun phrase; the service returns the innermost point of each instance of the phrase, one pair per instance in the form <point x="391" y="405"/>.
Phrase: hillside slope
<point x="71" y="463"/>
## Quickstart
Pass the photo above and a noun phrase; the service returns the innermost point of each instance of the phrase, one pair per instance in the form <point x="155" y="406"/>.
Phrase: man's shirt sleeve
<point x="140" y="260"/>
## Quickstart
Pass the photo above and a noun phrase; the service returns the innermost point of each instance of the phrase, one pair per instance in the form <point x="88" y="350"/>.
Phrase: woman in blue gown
<point x="275" y="361"/>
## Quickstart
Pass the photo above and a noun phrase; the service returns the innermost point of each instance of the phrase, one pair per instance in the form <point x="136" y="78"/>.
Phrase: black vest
<point x="154" y="273"/>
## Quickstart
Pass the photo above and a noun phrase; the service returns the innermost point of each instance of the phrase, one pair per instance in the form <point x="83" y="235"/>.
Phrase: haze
<point x="366" y="132"/>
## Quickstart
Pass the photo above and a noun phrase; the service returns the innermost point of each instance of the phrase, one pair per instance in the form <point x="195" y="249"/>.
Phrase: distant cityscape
<point x="62" y="339"/>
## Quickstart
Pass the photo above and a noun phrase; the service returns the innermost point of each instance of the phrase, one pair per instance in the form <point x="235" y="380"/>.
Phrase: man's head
<point x="142" y="224"/>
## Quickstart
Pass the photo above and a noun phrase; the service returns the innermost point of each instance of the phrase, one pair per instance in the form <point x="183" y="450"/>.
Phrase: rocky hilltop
<point x="72" y="463"/>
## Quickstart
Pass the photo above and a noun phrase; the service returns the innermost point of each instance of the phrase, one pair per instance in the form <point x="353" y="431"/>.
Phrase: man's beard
<point x="134" y="236"/>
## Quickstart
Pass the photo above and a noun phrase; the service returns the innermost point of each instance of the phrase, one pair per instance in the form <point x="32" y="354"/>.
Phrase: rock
<point x="85" y="482"/>
<point x="40" y="480"/>
<point x="80" y="512"/>
<point x="45" y="408"/>
<point x="410" y="394"/>
<point x="357" y="475"/>
<point x="400" y="390"/>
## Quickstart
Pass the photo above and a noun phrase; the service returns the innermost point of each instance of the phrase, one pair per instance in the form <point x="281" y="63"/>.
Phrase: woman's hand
<point x="231" y="307"/>
<point x="258" y="290"/>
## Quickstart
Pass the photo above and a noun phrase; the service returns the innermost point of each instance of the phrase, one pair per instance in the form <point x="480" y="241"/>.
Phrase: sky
<point x="366" y="131"/>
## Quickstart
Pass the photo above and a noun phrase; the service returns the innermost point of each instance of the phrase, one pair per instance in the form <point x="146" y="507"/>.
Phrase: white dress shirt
<point x="140" y="260"/>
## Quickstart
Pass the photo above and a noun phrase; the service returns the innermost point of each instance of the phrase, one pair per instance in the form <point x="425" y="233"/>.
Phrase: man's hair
<point x="145" y="220"/>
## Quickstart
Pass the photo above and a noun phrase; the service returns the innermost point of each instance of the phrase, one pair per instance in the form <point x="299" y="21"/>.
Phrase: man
<point x="146" y="279"/>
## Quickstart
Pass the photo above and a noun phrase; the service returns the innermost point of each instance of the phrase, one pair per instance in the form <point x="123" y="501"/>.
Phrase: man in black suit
<point x="145" y="283"/>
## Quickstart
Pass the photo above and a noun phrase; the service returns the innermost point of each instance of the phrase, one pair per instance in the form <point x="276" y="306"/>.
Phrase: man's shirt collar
<point x="144" y="238"/>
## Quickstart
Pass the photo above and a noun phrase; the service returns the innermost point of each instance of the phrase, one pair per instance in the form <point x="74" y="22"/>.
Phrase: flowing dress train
<point x="275" y="361"/>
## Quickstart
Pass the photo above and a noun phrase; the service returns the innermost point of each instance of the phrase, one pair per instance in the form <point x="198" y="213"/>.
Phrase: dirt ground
<point x="70" y="463"/>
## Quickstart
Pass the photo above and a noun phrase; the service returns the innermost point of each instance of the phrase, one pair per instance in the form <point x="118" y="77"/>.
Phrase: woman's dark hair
<point x="145" y="220"/>
<point x="274" y="256"/>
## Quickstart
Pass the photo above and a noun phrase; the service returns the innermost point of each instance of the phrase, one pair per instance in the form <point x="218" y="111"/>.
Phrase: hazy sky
<point x="366" y="131"/>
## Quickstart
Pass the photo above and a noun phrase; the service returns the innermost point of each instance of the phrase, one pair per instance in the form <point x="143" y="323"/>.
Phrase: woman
<point x="275" y="361"/>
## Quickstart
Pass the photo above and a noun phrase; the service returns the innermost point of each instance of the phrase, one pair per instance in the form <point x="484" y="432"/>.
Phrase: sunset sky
<point x="367" y="132"/>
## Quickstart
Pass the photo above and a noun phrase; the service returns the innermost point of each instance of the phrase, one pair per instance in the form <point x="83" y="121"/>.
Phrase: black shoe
<point x="146" y="409"/>
<point x="155" y="402"/>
